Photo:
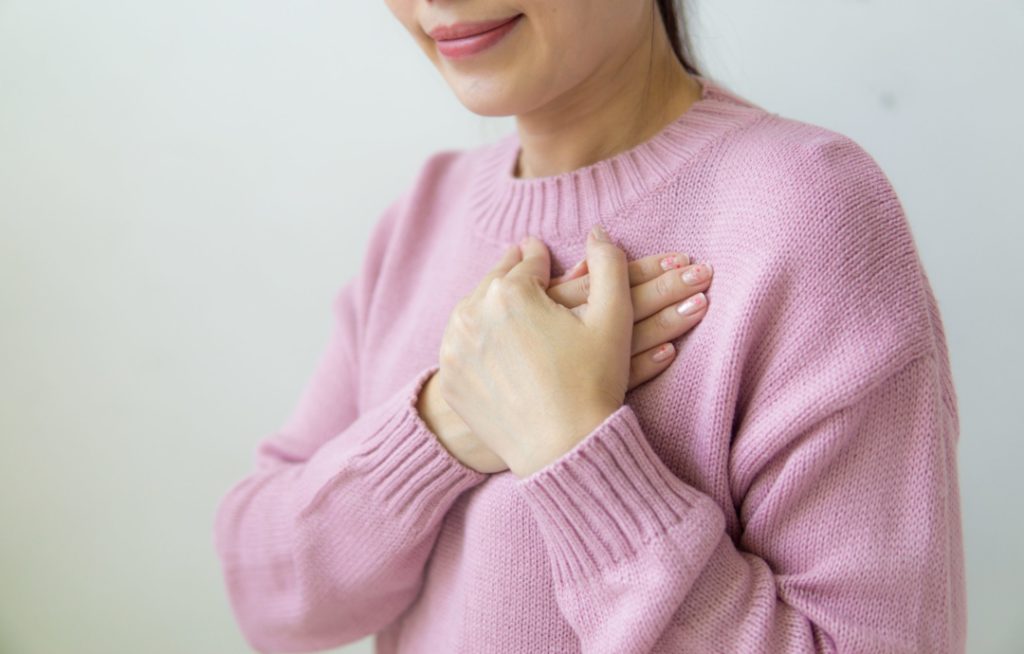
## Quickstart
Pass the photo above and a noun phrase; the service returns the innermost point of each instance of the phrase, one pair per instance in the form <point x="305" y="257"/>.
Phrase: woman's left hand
<point x="529" y="376"/>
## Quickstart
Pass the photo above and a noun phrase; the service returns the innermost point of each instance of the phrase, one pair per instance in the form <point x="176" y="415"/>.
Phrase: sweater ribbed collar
<point x="563" y="207"/>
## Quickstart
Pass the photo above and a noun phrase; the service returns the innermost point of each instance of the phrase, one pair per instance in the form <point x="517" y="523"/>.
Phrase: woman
<point x="494" y="455"/>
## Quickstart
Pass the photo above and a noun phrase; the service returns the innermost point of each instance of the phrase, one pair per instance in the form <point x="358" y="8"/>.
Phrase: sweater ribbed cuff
<point x="411" y="471"/>
<point x="604" y="500"/>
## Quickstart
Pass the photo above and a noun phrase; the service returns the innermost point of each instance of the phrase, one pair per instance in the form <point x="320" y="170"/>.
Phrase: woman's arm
<point x="321" y="551"/>
<point x="324" y="542"/>
<point x="843" y="507"/>
<point x="850" y="539"/>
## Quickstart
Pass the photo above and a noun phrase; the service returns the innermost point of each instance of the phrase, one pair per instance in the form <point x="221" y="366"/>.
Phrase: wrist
<point x="446" y="425"/>
<point x="565" y="439"/>
<point x="432" y="408"/>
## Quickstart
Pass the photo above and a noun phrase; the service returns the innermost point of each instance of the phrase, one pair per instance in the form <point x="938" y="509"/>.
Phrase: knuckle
<point x="583" y="285"/>
<point x="651" y="269"/>
<point x="665" y="284"/>
<point x="505" y="291"/>
<point x="464" y="315"/>
<point x="515" y="288"/>
<point x="612" y="252"/>
<point x="497" y="285"/>
<point x="663" y="320"/>
<point x="496" y="289"/>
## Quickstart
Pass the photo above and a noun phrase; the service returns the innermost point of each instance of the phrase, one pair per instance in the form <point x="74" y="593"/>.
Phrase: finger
<point x="610" y="302"/>
<point x="669" y="288"/>
<point x="509" y="258"/>
<point x="578" y="269"/>
<point x="536" y="261"/>
<point x="650" y="363"/>
<point x="648" y="268"/>
<point x="669" y="323"/>
<point x="641" y="270"/>
<point x="572" y="287"/>
<point x="570" y="293"/>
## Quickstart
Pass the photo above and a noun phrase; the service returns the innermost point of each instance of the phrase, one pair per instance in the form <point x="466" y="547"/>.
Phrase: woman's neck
<point x="607" y="114"/>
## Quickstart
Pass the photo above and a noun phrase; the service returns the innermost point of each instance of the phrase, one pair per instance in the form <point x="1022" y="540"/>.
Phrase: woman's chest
<point x="688" y="411"/>
<point x="419" y="287"/>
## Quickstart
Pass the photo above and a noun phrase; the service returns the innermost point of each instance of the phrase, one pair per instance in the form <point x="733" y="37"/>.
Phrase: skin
<point x="585" y="80"/>
<point x="655" y="294"/>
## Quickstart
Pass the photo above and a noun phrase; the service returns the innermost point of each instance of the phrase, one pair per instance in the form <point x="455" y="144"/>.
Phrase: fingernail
<point x="697" y="273"/>
<point x="692" y="304"/>
<point x="600" y="234"/>
<point x="673" y="261"/>
<point x="663" y="352"/>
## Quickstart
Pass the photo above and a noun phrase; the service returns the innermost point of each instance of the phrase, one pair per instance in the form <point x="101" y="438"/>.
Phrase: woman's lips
<point x="469" y="45"/>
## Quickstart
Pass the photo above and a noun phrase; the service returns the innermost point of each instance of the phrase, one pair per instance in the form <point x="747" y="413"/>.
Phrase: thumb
<point x="610" y="301"/>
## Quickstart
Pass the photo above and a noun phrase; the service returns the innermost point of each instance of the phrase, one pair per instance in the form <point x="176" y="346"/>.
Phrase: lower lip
<point x="470" y="45"/>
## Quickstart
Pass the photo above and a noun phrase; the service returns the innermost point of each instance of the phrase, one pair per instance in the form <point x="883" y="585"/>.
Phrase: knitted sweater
<point x="787" y="484"/>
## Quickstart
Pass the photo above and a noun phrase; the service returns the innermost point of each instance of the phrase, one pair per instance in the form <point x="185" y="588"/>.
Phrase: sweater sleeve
<point x="325" y="541"/>
<point x="850" y="541"/>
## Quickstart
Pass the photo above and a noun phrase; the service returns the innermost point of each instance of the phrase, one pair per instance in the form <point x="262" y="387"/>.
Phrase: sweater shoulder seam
<point x="747" y="462"/>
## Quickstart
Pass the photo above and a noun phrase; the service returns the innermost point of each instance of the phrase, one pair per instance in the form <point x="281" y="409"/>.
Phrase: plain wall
<point x="184" y="185"/>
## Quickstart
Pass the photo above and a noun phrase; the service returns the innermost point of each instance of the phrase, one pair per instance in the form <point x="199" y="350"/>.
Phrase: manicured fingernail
<point x="693" y="304"/>
<point x="600" y="234"/>
<point x="697" y="273"/>
<point x="673" y="261"/>
<point x="663" y="352"/>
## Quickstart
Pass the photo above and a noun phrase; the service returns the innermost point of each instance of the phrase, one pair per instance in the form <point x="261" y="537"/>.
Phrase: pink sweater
<point x="788" y="484"/>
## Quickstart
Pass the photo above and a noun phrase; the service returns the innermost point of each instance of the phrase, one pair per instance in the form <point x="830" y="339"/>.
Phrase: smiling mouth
<point x="459" y="31"/>
<point x="470" y="44"/>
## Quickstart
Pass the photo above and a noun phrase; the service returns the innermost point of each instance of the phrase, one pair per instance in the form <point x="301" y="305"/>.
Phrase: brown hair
<point x="672" y="15"/>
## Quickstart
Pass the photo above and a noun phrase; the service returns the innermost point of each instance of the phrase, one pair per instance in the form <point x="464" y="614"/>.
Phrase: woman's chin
<point x="488" y="98"/>
<point x="494" y="109"/>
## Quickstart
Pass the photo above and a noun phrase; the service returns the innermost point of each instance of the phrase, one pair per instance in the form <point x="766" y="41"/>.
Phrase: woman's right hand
<point x="658" y="290"/>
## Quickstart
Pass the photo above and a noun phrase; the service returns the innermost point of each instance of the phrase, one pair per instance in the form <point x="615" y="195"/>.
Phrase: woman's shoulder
<point x="814" y="196"/>
<point x="798" y="189"/>
<point x="842" y="276"/>
<point x="801" y="161"/>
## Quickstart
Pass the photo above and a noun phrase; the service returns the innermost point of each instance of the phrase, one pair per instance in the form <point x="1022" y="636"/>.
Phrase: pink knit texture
<point x="788" y="484"/>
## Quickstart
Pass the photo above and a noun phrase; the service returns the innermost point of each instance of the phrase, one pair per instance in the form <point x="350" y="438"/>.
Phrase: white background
<point x="184" y="185"/>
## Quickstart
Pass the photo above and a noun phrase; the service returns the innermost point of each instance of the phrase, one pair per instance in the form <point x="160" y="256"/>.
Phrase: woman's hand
<point x="660" y="286"/>
<point x="452" y="431"/>
<point x="657" y="290"/>
<point x="528" y="376"/>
